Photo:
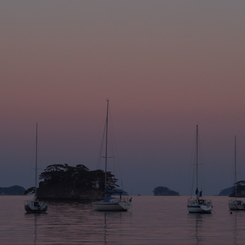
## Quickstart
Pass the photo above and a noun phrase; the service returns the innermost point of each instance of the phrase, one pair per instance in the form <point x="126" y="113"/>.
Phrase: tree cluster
<point x="78" y="177"/>
<point x="61" y="181"/>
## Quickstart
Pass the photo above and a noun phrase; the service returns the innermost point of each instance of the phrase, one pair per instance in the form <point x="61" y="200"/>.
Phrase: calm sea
<point x="152" y="220"/>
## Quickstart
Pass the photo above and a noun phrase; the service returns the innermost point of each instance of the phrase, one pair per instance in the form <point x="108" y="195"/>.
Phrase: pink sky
<point x="164" y="65"/>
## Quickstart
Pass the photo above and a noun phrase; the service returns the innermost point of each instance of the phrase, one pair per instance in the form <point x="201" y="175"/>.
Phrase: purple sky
<point x="164" y="65"/>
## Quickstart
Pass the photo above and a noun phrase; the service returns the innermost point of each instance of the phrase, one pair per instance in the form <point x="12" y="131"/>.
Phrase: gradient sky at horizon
<point x="164" y="65"/>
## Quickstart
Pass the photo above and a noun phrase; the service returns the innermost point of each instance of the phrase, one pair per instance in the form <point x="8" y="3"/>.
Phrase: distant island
<point x="64" y="182"/>
<point x="164" y="191"/>
<point x="230" y="191"/>
<point x="12" y="190"/>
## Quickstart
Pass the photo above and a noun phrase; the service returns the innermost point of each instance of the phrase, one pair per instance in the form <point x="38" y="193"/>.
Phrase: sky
<point x="164" y="65"/>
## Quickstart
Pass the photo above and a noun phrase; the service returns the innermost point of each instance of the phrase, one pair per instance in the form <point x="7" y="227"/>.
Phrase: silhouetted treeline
<point x="64" y="181"/>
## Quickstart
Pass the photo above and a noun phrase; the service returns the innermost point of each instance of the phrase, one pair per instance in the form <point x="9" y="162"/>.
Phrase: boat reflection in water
<point x="198" y="225"/>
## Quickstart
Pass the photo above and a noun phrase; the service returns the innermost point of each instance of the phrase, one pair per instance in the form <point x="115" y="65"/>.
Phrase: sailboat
<point x="235" y="204"/>
<point x="111" y="203"/>
<point x="35" y="206"/>
<point x="198" y="204"/>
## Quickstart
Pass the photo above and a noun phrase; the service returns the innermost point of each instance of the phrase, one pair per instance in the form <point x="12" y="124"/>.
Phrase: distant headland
<point x="237" y="190"/>
<point x="12" y="190"/>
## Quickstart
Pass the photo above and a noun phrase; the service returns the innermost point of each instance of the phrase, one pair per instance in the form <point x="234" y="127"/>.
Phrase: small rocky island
<point x="64" y="182"/>
<point x="164" y="191"/>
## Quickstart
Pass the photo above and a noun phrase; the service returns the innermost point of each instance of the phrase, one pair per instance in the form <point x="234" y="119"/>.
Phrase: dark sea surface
<point x="152" y="220"/>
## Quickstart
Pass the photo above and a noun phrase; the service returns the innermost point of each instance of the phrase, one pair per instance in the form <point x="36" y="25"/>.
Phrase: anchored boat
<point x="198" y="204"/>
<point x="120" y="203"/>
<point x="35" y="206"/>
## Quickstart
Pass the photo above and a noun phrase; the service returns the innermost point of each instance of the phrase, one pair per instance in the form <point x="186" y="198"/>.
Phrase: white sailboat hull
<point x="35" y="207"/>
<point x="236" y="205"/>
<point x="199" y="206"/>
<point x="112" y="205"/>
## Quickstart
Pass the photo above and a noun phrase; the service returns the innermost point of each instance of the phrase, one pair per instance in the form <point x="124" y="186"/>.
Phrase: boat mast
<point x="106" y="140"/>
<point x="235" y="169"/>
<point x="197" y="158"/>
<point x="36" y="159"/>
